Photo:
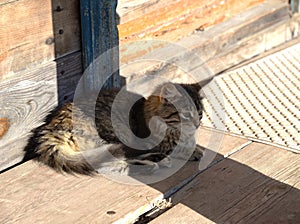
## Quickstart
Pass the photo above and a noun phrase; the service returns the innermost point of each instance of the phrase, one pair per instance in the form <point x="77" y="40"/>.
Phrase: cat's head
<point x="175" y="104"/>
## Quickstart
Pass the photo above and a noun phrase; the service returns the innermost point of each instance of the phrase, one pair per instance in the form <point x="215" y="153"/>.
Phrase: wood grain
<point x="258" y="184"/>
<point x="129" y="10"/>
<point x="171" y="20"/>
<point x="4" y="126"/>
<point x="205" y="54"/>
<point x="27" y="98"/>
<point x="66" y="26"/>
<point x="31" y="34"/>
<point x="32" y="193"/>
<point x="249" y="47"/>
<point x="100" y="41"/>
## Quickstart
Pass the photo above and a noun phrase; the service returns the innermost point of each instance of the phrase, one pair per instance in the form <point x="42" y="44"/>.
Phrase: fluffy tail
<point x="55" y="144"/>
<point x="60" y="150"/>
<point x="62" y="155"/>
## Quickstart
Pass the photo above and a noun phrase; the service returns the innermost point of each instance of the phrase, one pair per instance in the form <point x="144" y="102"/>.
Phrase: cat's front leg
<point x="114" y="167"/>
<point x="149" y="163"/>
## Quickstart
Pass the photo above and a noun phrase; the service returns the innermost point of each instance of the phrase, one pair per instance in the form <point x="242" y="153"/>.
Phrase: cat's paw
<point x="142" y="167"/>
<point x="114" y="167"/>
<point x="166" y="162"/>
<point x="149" y="163"/>
<point x="197" y="154"/>
<point x="152" y="156"/>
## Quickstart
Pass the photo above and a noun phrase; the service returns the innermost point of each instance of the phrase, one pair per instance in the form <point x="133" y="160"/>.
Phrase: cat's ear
<point x="169" y="92"/>
<point x="203" y="83"/>
<point x="198" y="86"/>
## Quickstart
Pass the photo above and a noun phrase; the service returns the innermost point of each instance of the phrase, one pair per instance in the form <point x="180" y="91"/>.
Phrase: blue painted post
<point x="295" y="5"/>
<point x="100" y="35"/>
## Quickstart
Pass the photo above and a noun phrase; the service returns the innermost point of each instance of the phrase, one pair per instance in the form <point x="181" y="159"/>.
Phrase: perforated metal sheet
<point x="260" y="101"/>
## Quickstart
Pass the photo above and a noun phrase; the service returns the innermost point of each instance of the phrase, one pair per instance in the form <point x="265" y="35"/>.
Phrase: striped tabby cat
<point x="65" y="147"/>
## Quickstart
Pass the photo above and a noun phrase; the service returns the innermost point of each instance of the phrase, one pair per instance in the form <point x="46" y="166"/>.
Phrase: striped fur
<point x="60" y="145"/>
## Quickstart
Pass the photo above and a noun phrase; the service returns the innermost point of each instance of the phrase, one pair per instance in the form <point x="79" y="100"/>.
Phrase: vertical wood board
<point x="100" y="43"/>
<point x="31" y="35"/>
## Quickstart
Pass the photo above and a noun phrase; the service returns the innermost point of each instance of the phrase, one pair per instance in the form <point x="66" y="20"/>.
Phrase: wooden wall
<point x="172" y="20"/>
<point x="31" y="35"/>
<point x="36" y="32"/>
<point x="40" y="64"/>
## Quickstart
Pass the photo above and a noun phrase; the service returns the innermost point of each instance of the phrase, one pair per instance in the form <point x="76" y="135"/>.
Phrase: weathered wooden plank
<point x="31" y="34"/>
<point x="202" y="54"/>
<point x="24" y="29"/>
<point x="250" y="47"/>
<point x="295" y="25"/>
<point x="171" y="20"/>
<point x="258" y="184"/>
<point x="32" y="193"/>
<point x="131" y="9"/>
<point x="174" y="21"/>
<point x="28" y="97"/>
<point x="60" y="198"/>
<point x="66" y="26"/>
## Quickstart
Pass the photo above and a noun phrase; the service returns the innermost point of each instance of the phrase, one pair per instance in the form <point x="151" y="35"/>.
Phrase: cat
<point x="71" y="144"/>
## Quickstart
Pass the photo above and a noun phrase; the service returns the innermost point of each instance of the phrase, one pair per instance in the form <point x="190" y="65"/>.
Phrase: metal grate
<point x="260" y="101"/>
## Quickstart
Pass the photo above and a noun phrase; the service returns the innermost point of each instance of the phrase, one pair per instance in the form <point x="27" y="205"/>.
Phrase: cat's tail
<point x="63" y="156"/>
<point x="61" y="152"/>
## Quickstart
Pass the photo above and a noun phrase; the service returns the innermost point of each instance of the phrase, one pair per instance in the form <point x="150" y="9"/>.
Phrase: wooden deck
<point x="247" y="182"/>
<point x="255" y="182"/>
<point x="258" y="184"/>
